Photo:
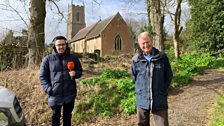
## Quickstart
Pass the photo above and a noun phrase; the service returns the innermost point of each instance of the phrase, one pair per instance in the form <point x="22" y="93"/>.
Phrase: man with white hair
<point x="152" y="74"/>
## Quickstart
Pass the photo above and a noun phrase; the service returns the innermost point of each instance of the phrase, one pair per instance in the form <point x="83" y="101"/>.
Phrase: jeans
<point x="67" y="114"/>
<point x="160" y="117"/>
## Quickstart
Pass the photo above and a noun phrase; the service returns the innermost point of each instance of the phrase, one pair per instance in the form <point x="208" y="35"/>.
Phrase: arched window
<point x="118" y="42"/>
<point x="77" y="16"/>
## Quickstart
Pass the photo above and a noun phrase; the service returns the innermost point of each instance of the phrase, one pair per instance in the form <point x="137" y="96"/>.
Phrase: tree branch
<point x="99" y="3"/>
<point x="14" y="10"/>
<point x="60" y="13"/>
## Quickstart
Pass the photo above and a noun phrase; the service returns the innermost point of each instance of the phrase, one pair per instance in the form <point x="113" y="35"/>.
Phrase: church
<point x="110" y="36"/>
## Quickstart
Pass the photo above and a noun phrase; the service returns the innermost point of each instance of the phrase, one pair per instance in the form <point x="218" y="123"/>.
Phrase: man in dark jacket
<point x="152" y="74"/>
<point x="58" y="81"/>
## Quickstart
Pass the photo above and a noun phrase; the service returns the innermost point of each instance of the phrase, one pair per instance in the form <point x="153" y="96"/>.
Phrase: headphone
<point x="58" y="38"/>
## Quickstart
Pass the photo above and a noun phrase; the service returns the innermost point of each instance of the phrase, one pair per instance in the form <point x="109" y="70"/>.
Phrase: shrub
<point x="115" y="94"/>
<point x="115" y="74"/>
<point x="180" y="78"/>
<point x="188" y="66"/>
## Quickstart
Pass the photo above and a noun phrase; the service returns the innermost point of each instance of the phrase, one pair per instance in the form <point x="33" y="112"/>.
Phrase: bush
<point x="115" y="94"/>
<point x="180" y="78"/>
<point x="4" y="65"/>
<point x="93" y="81"/>
<point x="12" y="57"/>
<point x="126" y="89"/>
<point x="218" y="63"/>
<point x="129" y="104"/>
<point x="115" y="74"/>
<point x="188" y="66"/>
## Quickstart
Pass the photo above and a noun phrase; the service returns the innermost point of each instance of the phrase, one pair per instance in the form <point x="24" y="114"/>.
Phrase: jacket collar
<point x="157" y="55"/>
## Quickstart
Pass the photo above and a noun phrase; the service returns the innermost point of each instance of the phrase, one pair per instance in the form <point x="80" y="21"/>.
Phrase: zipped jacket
<point x="55" y="79"/>
<point x="151" y="80"/>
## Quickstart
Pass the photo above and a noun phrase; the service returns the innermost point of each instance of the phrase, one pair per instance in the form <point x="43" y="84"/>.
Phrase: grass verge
<point x="217" y="117"/>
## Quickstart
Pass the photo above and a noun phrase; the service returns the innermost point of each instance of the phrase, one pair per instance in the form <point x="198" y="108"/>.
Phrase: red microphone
<point x="71" y="66"/>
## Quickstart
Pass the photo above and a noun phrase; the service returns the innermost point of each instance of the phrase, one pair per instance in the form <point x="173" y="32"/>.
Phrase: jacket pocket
<point x="56" y="89"/>
<point x="140" y="81"/>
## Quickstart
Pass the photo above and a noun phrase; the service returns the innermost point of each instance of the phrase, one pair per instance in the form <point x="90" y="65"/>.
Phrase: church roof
<point x="93" y="30"/>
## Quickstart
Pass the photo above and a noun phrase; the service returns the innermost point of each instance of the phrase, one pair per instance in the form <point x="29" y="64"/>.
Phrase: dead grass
<point x="201" y="92"/>
<point x="25" y="83"/>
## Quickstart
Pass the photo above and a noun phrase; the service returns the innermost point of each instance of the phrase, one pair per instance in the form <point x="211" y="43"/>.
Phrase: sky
<point x="14" y="14"/>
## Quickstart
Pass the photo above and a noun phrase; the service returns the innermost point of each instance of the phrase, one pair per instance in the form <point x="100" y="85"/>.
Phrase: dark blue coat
<point x="151" y="80"/>
<point x="55" y="79"/>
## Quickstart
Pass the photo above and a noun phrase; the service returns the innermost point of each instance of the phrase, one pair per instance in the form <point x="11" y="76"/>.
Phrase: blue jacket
<point x="151" y="80"/>
<point x="55" y="79"/>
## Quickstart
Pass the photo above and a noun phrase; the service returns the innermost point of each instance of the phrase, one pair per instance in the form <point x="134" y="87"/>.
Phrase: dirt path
<point x="189" y="105"/>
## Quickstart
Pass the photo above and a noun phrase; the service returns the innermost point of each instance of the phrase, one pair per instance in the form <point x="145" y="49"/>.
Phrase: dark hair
<point x="59" y="38"/>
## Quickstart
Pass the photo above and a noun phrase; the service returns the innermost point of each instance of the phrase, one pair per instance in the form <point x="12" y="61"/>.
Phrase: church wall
<point x="117" y="27"/>
<point x="78" y="46"/>
<point x="93" y="44"/>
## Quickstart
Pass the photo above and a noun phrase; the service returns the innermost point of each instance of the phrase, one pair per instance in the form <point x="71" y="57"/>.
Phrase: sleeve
<point x="133" y="71"/>
<point x="78" y="68"/>
<point x="45" y="76"/>
<point x="168" y="72"/>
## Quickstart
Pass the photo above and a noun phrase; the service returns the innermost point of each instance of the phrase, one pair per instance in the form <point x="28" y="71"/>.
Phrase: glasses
<point x="60" y="45"/>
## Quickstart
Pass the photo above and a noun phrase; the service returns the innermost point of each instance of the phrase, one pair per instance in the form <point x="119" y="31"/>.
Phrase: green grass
<point x="190" y="65"/>
<point x="112" y="92"/>
<point x="3" y="120"/>
<point x="217" y="117"/>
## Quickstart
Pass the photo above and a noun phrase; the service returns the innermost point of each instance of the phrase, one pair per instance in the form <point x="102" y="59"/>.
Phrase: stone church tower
<point x="76" y="20"/>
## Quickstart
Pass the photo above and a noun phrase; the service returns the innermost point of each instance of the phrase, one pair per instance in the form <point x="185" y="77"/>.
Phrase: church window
<point x="118" y="42"/>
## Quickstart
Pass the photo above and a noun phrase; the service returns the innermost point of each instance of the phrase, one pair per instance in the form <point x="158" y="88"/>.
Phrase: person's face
<point x="60" y="46"/>
<point x="145" y="44"/>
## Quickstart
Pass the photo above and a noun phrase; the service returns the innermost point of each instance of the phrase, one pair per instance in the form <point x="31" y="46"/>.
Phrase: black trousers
<point x="67" y="114"/>
<point x="160" y="117"/>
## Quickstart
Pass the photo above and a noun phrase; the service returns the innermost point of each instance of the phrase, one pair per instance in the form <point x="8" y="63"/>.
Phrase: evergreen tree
<point x="207" y="24"/>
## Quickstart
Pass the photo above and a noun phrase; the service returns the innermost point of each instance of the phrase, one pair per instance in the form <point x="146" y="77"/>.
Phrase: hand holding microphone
<point x="71" y="66"/>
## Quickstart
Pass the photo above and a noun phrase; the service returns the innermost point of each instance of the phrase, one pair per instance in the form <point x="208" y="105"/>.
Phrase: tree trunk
<point x="149" y="28"/>
<point x="36" y="32"/>
<point x="157" y="21"/>
<point x="176" y="46"/>
<point x="177" y="29"/>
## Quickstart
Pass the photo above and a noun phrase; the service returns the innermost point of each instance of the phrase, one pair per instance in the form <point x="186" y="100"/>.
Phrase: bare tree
<point x="155" y="13"/>
<point x="175" y="18"/>
<point x="156" y="10"/>
<point x="156" y="17"/>
<point x="8" y="7"/>
<point x="36" y="32"/>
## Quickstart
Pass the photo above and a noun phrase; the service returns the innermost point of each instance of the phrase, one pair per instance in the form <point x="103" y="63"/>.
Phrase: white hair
<point x="144" y="34"/>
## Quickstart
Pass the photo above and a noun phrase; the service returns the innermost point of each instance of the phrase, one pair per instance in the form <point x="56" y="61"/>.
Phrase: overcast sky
<point x="15" y="15"/>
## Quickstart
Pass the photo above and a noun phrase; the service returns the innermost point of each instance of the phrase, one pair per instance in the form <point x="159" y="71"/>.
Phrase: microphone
<point x="71" y="66"/>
